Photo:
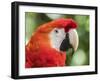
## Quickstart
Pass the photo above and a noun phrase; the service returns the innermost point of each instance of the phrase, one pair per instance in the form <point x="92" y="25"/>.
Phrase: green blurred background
<point x="81" y="56"/>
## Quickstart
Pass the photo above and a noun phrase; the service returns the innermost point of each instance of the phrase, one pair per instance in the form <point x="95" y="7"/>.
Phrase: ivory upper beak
<point x="73" y="38"/>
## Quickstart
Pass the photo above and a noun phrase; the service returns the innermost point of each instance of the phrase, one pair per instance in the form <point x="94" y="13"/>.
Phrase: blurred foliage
<point x="81" y="56"/>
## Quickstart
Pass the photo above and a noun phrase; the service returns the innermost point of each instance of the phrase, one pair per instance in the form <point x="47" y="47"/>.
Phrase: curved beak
<point x="71" y="41"/>
<point x="73" y="38"/>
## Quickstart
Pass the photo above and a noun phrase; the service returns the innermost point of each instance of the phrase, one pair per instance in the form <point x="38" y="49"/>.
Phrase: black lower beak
<point x="65" y="45"/>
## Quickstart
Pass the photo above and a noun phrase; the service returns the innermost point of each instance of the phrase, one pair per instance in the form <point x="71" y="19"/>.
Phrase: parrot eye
<point x="56" y="31"/>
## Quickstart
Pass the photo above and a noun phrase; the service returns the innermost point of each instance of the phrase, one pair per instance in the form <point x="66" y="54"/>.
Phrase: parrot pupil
<point x="56" y="31"/>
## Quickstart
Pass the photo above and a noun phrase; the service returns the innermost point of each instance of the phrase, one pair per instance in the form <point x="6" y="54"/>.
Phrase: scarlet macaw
<point x="47" y="46"/>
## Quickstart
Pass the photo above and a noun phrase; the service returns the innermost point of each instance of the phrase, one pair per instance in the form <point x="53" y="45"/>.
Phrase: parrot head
<point x="48" y="44"/>
<point x="59" y="34"/>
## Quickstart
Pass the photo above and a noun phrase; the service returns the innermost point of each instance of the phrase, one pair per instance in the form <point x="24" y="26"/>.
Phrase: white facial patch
<point x="56" y="37"/>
